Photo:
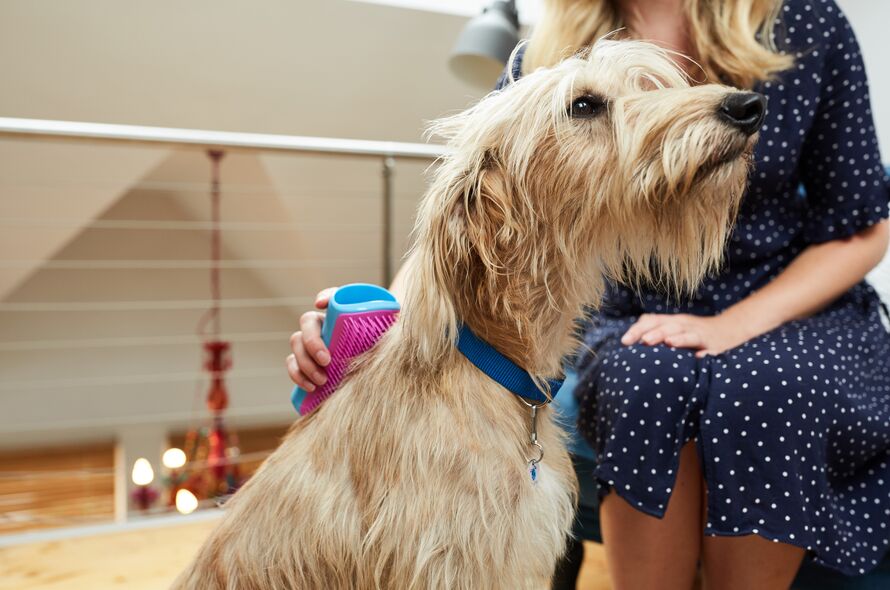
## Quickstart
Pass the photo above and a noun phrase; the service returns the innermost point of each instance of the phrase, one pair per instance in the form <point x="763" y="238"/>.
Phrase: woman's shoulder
<point x="825" y="49"/>
<point x="825" y="9"/>
<point x="807" y="25"/>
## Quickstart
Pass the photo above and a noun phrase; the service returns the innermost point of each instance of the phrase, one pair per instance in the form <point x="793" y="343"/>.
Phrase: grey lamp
<point x="485" y="43"/>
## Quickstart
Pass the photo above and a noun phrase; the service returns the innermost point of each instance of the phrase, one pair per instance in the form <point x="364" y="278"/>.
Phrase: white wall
<point x="870" y="19"/>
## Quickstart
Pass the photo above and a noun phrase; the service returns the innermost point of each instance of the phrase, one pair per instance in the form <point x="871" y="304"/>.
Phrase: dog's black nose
<point x="744" y="110"/>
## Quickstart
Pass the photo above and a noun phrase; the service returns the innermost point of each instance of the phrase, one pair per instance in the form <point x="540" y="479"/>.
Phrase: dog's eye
<point x="586" y="107"/>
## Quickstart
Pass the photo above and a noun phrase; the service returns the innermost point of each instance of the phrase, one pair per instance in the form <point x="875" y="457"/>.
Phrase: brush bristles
<point x="354" y="335"/>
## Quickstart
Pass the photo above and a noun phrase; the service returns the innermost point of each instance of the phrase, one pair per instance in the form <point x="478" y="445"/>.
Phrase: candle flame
<point x="186" y="502"/>
<point x="143" y="474"/>
<point x="174" y="458"/>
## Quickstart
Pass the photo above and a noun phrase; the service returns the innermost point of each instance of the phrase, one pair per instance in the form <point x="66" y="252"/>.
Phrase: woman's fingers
<point x="293" y="370"/>
<point x="324" y="297"/>
<point x="307" y="365"/>
<point x="310" y="355"/>
<point x="653" y="337"/>
<point x="310" y="324"/>
<point x="661" y="333"/>
<point x="685" y="340"/>
<point x="645" y="323"/>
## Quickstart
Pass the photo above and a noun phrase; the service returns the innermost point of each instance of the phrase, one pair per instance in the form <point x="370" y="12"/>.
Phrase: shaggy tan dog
<point x="415" y="473"/>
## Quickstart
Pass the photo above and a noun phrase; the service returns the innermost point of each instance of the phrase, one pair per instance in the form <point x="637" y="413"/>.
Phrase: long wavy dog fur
<point x="414" y="475"/>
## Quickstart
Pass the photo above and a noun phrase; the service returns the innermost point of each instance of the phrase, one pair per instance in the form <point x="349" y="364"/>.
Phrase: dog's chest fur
<point x="401" y="483"/>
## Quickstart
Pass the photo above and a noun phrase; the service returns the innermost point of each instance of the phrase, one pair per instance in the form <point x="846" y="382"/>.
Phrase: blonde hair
<point x="732" y="40"/>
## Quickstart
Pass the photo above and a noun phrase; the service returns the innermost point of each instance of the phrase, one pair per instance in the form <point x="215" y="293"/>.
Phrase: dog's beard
<point x="727" y="157"/>
<point x="675" y="235"/>
<point x="702" y="221"/>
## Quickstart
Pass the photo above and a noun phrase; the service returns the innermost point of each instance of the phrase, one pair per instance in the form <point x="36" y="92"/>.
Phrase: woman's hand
<point x="306" y="364"/>
<point x="799" y="291"/>
<point x="705" y="334"/>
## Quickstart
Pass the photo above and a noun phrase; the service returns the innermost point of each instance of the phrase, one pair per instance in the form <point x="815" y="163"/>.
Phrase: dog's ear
<point x="468" y="230"/>
<point x="455" y="249"/>
<point x="488" y="215"/>
<point x="479" y="219"/>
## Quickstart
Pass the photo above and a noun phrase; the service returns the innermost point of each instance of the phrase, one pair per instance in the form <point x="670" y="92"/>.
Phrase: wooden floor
<point x="147" y="559"/>
<point x="137" y="560"/>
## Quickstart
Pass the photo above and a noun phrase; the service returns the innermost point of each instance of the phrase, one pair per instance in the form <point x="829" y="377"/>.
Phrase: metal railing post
<point x="388" y="170"/>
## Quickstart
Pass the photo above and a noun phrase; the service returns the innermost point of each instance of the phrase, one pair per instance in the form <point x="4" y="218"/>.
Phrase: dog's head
<point x="609" y="163"/>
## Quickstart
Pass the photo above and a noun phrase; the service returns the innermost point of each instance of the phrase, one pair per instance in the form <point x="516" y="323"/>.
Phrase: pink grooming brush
<point x="358" y="315"/>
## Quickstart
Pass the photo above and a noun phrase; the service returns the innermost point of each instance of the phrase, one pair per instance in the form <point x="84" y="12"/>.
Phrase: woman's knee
<point x="638" y="376"/>
<point x="773" y="397"/>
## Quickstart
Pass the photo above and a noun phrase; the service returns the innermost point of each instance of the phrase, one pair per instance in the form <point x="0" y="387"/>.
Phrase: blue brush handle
<point x="352" y="298"/>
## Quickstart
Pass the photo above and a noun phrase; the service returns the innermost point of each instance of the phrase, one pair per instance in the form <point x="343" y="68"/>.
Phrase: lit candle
<point x="174" y="459"/>
<point x="144" y="495"/>
<point x="186" y="502"/>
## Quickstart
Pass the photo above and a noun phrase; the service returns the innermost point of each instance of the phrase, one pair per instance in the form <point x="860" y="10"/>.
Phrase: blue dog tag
<point x="534" y="471"/>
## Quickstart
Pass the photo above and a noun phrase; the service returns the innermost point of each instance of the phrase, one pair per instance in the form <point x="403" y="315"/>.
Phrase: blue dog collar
<point x="501" y="369"/>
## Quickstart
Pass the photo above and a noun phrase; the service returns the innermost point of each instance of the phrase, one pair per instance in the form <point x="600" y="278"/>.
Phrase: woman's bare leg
<point x="739" y="563"/>
<point x="656" y="554"/>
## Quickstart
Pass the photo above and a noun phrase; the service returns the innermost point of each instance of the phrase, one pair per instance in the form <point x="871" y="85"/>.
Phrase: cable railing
<point x="153" y="304"/>
<point x="180" y="264"/>
<point x="385" y="151"/>
<point x="176" y="225"/>
<point x="96" y="321"/>
<point x="133" y="341"/>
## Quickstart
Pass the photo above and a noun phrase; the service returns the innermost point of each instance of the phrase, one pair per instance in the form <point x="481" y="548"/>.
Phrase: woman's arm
<point x="818" y="276"/>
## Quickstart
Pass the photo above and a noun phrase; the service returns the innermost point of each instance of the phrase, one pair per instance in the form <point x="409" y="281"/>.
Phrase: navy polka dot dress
<point x="792" y="427"/>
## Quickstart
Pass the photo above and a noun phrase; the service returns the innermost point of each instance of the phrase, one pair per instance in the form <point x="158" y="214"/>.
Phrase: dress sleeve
<point x="513" y="70"/>
<point x="846" y="187"/>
